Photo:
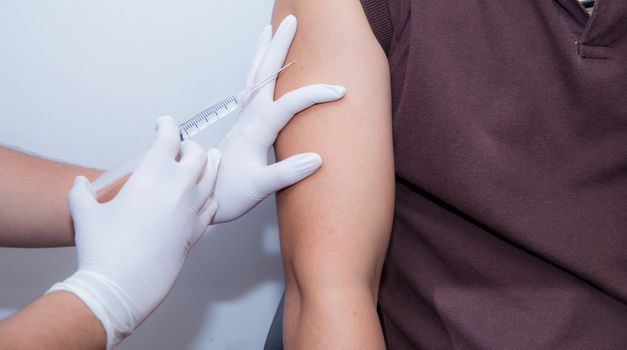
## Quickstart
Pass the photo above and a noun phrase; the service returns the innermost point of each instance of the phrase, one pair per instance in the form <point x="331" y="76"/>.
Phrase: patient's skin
<point x="335" y="226"/>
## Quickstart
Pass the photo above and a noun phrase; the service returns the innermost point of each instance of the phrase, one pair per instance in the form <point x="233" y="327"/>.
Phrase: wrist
<point x="106" y="301"/>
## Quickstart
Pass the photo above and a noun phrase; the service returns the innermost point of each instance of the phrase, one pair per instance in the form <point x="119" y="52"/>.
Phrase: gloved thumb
<point x="298" y="100"/>
<point x="81" y="197"/>
<point x="277" y="176"/>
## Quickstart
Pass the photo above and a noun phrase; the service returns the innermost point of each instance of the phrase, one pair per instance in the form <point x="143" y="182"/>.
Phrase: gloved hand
<point x="131" y="249"/>
<point x="245" y="178"/>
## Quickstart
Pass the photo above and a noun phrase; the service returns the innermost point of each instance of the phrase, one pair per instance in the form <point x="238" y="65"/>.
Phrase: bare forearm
<point x="56" y="321"/>
<point x="33" y="209"/>
<point x="344" y="318"/>
<point x="333" y="250"/>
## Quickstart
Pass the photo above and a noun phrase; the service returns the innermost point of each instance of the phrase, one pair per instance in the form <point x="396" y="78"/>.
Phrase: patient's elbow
<point x="329" y="282"/>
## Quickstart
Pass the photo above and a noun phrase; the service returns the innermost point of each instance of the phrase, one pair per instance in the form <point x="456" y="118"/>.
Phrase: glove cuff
<point x="105" y="300"/>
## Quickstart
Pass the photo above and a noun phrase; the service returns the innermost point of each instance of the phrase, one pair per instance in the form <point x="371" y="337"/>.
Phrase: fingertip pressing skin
<point x="306" y="164"/>
<point x="305" y="97"/>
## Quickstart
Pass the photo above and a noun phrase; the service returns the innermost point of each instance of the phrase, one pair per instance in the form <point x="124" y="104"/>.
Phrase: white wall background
<point x="83" y="81"/>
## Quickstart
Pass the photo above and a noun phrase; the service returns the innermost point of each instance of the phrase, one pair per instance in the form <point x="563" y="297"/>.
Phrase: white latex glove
<point x="245" y="178"/>
<point x="131" y="249"/>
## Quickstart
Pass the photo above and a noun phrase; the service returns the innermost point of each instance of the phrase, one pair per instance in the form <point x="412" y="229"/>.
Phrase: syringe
<point x="188" y="129"/>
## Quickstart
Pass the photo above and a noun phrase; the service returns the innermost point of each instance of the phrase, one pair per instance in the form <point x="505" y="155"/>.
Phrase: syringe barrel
<point x="208" y="116"/>
<point x="187" y="130"/>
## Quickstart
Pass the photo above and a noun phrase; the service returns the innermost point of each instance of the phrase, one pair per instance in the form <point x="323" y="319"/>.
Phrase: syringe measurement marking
<point x="205" y="118"/>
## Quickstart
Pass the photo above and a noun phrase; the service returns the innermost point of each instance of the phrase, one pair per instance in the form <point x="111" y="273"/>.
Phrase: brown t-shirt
<point x="510" y="135"/>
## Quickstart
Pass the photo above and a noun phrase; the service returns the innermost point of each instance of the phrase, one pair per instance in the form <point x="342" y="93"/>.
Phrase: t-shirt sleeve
<point x="378" y="14"/>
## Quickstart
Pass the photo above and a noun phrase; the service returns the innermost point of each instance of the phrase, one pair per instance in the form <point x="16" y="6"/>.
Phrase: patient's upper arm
<point x="335" y="225"/>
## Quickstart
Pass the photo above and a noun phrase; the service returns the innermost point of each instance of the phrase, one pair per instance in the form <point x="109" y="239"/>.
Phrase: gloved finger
<point x="207" y="183"/>
<point x="81" y="199"/>
<point x="277" y="52"/>
<point x="298" y="100"/>
<point x="285" y="173"/>
<point x="263" y="44"/>
<point x="193" y="159"/>
<point x="168" y="142"/>
<point x="206" y="218"/>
